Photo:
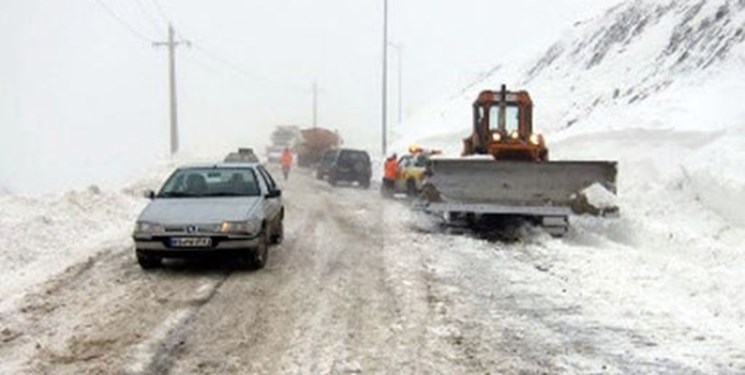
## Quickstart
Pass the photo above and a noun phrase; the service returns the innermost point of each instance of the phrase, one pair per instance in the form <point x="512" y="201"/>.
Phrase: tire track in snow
<point x="153" y="355"/>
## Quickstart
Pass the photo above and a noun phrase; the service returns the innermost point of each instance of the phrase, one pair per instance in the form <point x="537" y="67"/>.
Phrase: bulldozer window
<point x="512" y="118"/>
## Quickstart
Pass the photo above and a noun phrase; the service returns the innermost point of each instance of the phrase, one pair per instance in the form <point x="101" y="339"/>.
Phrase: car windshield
<point x="211" y="182"/>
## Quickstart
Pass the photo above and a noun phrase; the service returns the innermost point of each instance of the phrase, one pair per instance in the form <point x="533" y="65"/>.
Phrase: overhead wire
<point x="123" y="23"/>
<point x="143" y="9"/>
<point x="239" y="70"/>
<point x="209" y="53"/>
<point x="161" y="12"/>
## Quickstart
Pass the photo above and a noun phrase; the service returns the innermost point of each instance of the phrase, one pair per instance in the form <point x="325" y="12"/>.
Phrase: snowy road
<point x="360" y="285"/>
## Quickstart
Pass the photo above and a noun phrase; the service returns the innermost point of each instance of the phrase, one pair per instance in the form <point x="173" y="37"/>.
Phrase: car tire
<point x="280" y="233"/>
<point x="147" y="261"/>
<point x="332" y="179"/>
<point x="319" y="175"/>
<point x="260" y="253"/>
<point x="365" y="183"/>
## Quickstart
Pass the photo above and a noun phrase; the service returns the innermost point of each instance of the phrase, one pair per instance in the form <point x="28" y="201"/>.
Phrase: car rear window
<point x="352" y="156"/>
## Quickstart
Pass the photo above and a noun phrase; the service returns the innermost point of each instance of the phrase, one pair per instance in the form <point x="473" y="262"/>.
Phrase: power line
<point x="239" y="70"/>
<point x="158" y="26"/>
<point x="161" y="12"/>
<point x="123" y="23"/>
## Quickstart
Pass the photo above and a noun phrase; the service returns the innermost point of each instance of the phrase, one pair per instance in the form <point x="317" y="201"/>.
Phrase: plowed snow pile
<point x="43" y="235"/>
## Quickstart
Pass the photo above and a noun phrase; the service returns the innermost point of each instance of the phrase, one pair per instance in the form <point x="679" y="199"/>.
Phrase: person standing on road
<point x="390" y="174"/>
<point x="286" y="161"/>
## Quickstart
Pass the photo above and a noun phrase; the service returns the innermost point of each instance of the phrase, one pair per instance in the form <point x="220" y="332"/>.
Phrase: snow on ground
<point x="44" y="235"/>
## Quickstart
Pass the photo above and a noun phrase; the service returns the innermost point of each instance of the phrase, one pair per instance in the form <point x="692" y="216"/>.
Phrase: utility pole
<point x="400" y="49"/>
<point x="172" y="44"/>
<point x="315" y="104"/>
<point x="385" y="77"/>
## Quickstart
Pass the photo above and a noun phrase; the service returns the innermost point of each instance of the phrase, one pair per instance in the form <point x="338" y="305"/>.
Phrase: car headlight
<point x="535" y="139"/>
<point x="514" y="134"/>
<point x="496" y="137"/>
<point x="238" y="227"/>
<point x="149" y="228"/>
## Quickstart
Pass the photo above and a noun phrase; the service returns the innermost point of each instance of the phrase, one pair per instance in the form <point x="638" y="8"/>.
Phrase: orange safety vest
<point x="391" y="169"/>
<point x="286" y="159"/>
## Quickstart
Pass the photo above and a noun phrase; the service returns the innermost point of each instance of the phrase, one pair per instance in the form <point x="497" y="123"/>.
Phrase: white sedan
<point x="204" y="210"/>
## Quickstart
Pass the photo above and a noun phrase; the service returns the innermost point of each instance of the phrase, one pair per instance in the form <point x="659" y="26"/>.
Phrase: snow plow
<point x="504" y="170"/>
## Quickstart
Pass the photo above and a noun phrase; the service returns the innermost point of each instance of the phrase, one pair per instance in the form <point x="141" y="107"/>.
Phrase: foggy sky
<point x="84" y="101"/>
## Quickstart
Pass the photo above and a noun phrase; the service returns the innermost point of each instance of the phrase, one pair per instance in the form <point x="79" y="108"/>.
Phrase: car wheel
<point x="365" y="183"/>
<point x="147" y="261"/>
<point x="319" y="175"/>
<point x="280" y="233"/>
<point x="261" y="252"/>
<point x="332" y="179"/>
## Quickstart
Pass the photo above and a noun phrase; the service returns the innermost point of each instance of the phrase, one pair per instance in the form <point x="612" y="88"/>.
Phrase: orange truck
<point x="314" y="143"/>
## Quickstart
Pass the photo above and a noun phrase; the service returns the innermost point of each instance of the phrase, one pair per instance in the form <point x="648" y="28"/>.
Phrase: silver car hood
<point x="199" y="210"/>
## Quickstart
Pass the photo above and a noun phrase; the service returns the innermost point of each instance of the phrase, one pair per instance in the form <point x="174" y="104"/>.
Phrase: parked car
<point x="206" y="210"/>
<point x="346" y="165"/>
<point x="244" y="155"/>
<point x="412" y="168"/>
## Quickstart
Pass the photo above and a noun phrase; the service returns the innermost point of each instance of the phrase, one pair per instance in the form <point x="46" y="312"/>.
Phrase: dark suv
<point x="345" y="165"/>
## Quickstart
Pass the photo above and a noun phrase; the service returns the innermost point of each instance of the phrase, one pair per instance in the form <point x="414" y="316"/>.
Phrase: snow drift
<point x="44" y="235"/>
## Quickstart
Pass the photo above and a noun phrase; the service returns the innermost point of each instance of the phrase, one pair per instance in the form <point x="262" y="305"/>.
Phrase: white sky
<point x="83" y="100"/>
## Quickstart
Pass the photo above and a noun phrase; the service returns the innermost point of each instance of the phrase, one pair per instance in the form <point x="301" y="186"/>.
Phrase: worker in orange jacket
<point x="286" y="161"/>
<point x="390" y="175"/>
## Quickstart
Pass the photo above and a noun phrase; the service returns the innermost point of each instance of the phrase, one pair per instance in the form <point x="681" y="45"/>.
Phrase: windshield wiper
<point x="175" y="194"/>
<point x="227" y="194"/>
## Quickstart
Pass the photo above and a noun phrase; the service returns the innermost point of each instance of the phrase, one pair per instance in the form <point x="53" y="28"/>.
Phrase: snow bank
<point x="44" y="235"/>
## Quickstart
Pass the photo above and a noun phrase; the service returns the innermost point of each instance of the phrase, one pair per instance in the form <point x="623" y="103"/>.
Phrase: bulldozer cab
<point x="504" y="112"/>
<point x="503" y="127"/>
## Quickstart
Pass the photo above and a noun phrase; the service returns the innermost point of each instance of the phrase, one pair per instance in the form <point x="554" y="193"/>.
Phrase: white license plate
<point x="191" y="242"/>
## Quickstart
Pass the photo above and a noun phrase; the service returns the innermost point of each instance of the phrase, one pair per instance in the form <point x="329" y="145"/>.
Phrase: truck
<point x="313" y="143"/>
<point x="283" y="136"/>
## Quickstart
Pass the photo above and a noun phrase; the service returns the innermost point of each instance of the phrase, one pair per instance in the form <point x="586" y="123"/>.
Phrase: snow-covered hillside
<point x="681" y="54"/>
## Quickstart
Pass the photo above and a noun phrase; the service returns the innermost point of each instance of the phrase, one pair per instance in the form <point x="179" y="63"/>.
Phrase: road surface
<point x="360" y="285"/>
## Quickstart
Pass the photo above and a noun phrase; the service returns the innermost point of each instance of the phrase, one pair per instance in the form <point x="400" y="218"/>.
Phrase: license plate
<point x="191" y="242"/>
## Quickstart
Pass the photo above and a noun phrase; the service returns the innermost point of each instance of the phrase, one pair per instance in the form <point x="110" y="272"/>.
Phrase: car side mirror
<point x="276" y="193"/>
<point x="149" y="194"/>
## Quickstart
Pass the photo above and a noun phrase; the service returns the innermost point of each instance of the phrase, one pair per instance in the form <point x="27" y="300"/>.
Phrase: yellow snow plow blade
<point x="515" y="187"/>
